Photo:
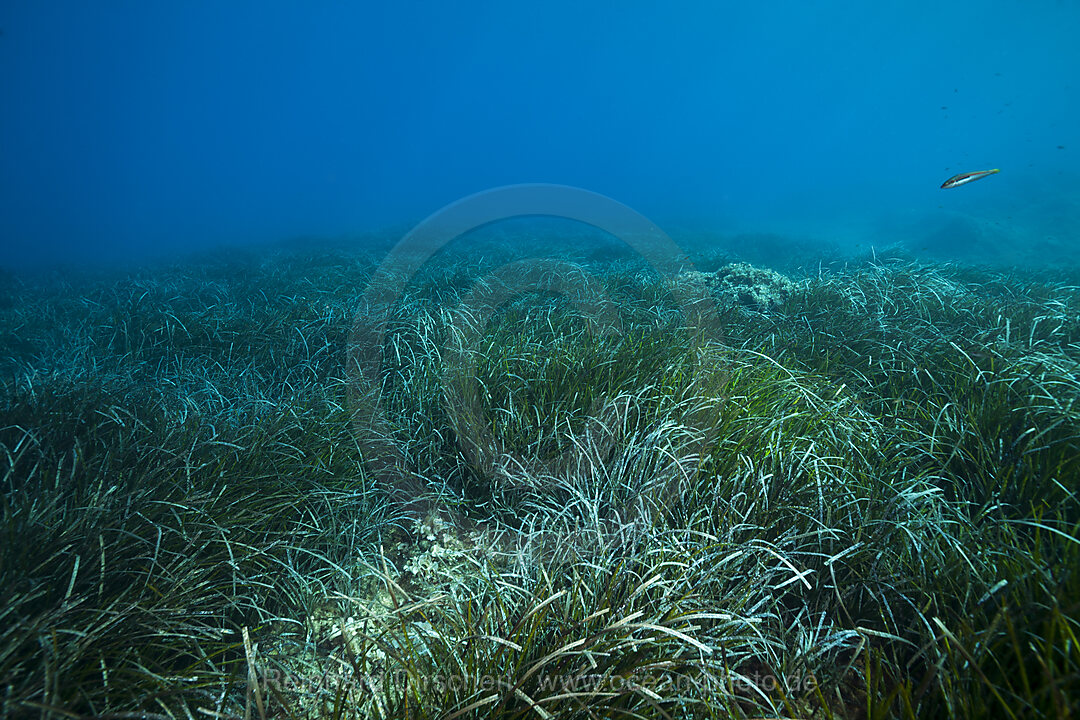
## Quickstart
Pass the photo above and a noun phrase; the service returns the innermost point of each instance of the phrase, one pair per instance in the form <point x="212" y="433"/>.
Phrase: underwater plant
<point x="856" y="500"/>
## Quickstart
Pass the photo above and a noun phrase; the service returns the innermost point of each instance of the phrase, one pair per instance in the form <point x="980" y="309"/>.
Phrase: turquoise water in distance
<point x="134" y="131"/>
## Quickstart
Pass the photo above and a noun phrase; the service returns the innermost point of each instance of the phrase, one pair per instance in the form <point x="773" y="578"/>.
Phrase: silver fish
<point x="965" y="178"/>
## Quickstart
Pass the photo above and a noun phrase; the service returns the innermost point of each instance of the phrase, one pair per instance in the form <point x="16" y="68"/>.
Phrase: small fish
<point x="965" y="178"/>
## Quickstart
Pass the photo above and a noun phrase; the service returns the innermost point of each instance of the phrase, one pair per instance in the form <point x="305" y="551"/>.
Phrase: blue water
<point x="135" y="130"/>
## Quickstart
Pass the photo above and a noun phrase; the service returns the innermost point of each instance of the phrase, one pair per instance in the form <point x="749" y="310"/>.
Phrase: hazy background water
<point x="132" y="130"/>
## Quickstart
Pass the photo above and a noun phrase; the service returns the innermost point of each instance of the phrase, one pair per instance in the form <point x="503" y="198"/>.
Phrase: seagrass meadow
<point x="559" y="494"/>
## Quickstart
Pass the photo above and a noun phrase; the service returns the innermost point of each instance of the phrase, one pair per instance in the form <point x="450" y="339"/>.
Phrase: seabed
<point x="837" y="487"/>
